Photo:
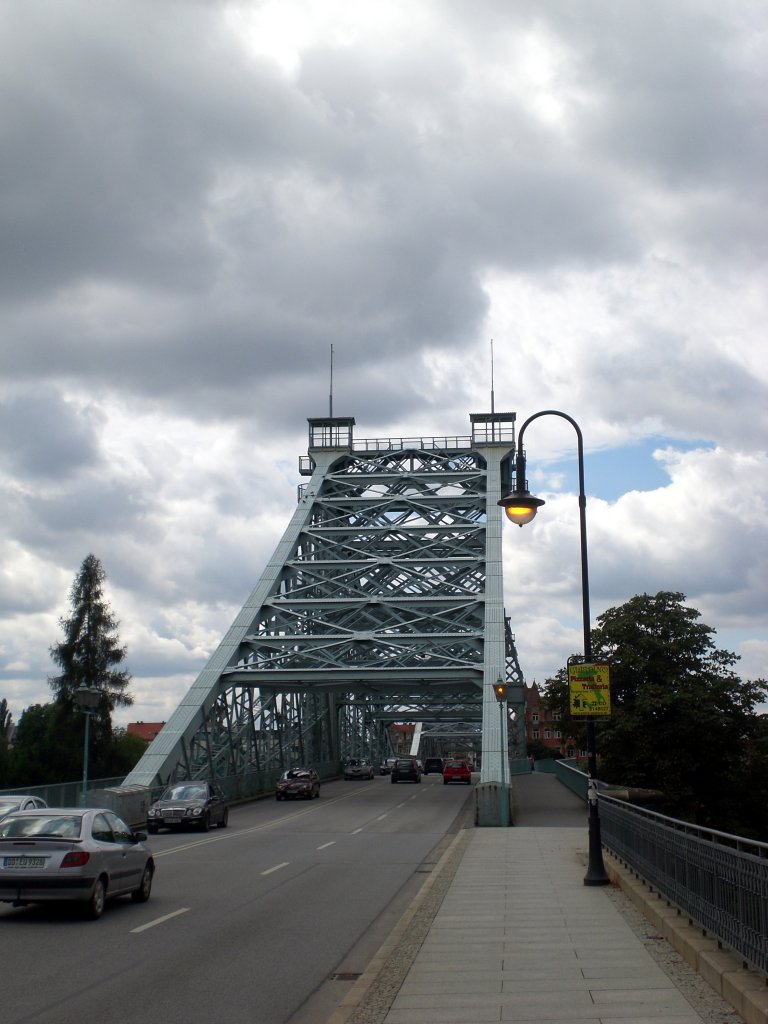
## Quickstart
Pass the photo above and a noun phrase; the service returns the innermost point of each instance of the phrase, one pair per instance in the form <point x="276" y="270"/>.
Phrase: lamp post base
<point x="596" y="873"/>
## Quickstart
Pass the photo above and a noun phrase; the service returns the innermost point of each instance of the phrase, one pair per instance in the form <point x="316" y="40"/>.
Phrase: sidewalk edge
<point x="390" y="964"/>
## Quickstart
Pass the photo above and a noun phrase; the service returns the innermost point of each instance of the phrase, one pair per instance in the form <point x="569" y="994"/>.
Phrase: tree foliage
<point x="6" y="724"/>
<point x="90" y="654"/>
<point x="682" y="721"/>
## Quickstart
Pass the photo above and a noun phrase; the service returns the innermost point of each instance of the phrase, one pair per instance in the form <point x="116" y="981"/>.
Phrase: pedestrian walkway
<point x="515" y="935"/>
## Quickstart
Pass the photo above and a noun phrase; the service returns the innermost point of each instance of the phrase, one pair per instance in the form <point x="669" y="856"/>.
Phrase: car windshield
<point x="455" y="764"/>
<point x="296" y="773"/>
<point x="41" y="825"/>
<point x="184" y="792"/>
<point x="6" y="806"/>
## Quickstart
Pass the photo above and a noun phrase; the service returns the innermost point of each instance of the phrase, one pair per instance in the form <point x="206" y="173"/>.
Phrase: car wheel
<point x="445" y="782"/>
<point x="393" y="780"/>
<point x="278" y="797"/>
<point x="205" y="824"/>
<point x="141" y="895"/>
<point x="419" y="779"/>
<point x="95" y="906"/>
<point x="224" y="818"/>
<point x="152" y="830"/>
<point x="317" y="793"/>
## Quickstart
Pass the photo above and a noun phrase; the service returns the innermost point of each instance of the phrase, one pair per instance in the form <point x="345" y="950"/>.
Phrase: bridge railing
<point x="718" y="880"/>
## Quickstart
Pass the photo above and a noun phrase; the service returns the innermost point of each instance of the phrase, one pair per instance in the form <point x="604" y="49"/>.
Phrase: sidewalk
<point x="505" y="930"/>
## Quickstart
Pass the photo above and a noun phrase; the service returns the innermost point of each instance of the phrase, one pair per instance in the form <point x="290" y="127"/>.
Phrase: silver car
<point x="19" y="802"/>
<point x="357" y="768"/>
<point x="81" y="854"/>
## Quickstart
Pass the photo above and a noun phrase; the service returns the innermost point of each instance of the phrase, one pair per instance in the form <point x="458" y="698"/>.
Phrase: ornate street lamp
<point x="520" y="507"/>
<point x="500" y="692"/>
<point x="86" y="699"/>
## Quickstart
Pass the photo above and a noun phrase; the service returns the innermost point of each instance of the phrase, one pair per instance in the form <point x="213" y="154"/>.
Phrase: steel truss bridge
<point x="381" y="604"/>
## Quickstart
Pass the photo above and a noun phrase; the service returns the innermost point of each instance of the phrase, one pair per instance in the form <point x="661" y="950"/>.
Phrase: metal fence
<point x="132" y="802"/>
<point x="719" y="881"/>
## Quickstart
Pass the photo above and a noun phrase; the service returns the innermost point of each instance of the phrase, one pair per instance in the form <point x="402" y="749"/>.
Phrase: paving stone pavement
<point x="505" y="930"/>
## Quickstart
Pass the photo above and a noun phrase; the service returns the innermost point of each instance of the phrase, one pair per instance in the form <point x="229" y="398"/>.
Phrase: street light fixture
<point x="86" y="699"/>
<point x="520" y="507"/>
<point x="500" y="692"/>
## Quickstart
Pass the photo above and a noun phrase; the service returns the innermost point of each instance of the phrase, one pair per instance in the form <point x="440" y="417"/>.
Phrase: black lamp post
<point x="520" y="507"/>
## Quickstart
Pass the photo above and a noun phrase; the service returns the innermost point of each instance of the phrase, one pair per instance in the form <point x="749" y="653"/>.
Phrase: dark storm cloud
<point x="46" y="438"/>
<point x="166" y="168"/>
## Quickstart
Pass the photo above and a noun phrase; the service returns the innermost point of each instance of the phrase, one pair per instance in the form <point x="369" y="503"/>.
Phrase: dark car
<point x="189" y="804"/>
<point x="433" y="765"/>
<point x="386" y="766"/>
<point x="358" y="768"/>
<point x="80" y="854"/>
<point x="405" y="769"/>
<point x="298" y="784"/>
<point x="457" y="771"/>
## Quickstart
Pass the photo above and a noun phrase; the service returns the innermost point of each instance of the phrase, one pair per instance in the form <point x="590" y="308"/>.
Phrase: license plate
<point x="24" y="862"/>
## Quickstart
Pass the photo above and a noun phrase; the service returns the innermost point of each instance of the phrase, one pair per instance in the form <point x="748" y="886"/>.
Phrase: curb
<point x="746" y="990"/>
<point x="372" y="995"/>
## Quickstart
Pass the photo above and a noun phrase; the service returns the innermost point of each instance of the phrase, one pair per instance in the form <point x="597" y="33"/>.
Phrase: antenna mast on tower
<point x="330" y="395"/>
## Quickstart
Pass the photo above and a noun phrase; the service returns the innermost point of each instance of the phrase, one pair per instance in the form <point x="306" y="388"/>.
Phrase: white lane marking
<point x="276" y="867"/>
<point x="357" y="830"/>
<point x="326" y="845"/>
<point x="381" y="817"/>
<point x="158" y="920"/>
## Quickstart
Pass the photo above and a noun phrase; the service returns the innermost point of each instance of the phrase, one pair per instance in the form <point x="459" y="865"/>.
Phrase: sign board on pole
<point x="590" y="691"/>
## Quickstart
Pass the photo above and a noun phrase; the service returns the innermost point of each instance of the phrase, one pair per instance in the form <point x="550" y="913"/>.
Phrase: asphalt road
<point x="245" y="924"/>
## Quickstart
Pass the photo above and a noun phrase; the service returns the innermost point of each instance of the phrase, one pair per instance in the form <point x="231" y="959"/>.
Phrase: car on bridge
<point x="19" y="802"/>
<point x="457" y="771"/>
<point x="358" y="768"/>
<point x="386" y="766"/>
<point x="405" y="768"/>
<point x="433" y="766"/>
<point x="189" y="804"/>
<point x="86" y="855"/>
<point x="298" y="784"/>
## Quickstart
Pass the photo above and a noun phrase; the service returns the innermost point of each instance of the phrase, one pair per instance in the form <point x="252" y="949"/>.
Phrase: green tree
<point x="40" y="754"/>
<point x="682" y="720"/>
<point x="6" y="723"/>
<point x="89" y="655"/>
<point x="125" y="753"/>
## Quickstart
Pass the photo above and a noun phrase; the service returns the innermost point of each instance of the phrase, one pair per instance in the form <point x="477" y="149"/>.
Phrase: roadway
<point x="245" y="924"/>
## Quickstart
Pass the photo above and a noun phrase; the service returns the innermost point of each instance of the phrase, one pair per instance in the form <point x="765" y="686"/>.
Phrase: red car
<point x="457" y="771"/>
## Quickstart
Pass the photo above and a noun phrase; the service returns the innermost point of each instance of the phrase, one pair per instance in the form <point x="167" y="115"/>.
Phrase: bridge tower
<point x="382" y="602"/>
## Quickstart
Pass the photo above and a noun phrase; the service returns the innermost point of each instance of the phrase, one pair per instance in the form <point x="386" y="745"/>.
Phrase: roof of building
<point x="146" y="730"/>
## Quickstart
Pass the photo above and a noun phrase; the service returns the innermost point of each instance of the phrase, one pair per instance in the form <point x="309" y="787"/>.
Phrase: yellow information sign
<point x="590" y="689"/>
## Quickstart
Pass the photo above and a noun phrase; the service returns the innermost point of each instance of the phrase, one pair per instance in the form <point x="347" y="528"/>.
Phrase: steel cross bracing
<point x="376" y="607"/>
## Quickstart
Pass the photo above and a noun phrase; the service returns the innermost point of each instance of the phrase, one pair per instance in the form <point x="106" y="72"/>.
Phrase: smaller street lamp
<point x="86" y="699"/>
<point x="500" y="692"/>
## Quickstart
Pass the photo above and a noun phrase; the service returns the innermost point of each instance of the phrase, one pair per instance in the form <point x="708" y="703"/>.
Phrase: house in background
<point x="144" y="730"/>
<point x="543" y="726"/>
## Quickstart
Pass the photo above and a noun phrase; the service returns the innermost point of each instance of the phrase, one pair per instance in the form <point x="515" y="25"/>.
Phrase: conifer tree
<point x="90" y="655"/>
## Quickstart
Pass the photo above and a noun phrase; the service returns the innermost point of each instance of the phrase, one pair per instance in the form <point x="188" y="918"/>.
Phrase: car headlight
<point x="152" y="812"/>
<point x="196" y="811"/>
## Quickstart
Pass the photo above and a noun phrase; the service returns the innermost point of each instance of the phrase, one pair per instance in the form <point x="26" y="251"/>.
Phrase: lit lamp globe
<point x="520" y="506"/>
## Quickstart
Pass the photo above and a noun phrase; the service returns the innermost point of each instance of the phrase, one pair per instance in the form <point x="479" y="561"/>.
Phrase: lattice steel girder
<point x="388" y="579"/>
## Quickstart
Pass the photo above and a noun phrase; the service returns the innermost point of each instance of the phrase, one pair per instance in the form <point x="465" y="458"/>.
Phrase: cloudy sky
<point x="198" y="198"/>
